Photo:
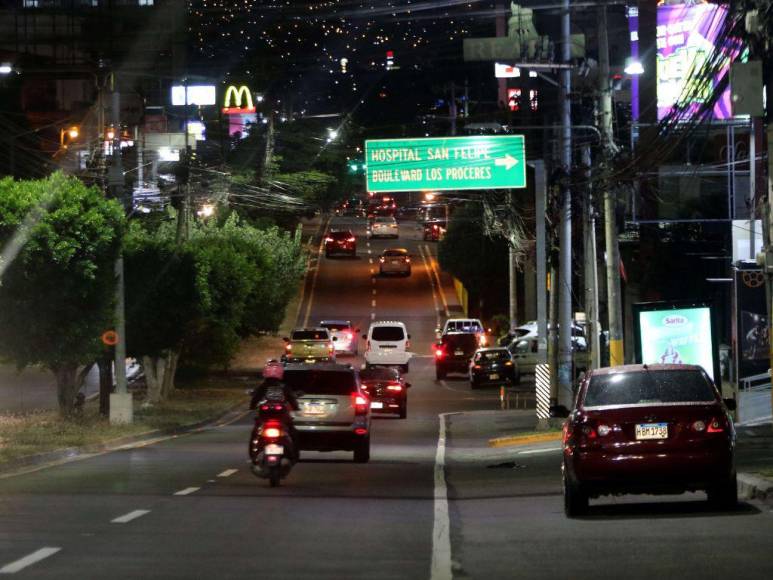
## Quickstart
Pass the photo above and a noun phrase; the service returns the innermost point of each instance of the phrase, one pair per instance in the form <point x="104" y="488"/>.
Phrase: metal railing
<point x="753" y="383"/>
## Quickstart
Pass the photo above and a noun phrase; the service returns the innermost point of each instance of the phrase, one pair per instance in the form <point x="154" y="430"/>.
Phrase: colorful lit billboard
<point x="667" y="333"/>
<point x="686" y="35"/>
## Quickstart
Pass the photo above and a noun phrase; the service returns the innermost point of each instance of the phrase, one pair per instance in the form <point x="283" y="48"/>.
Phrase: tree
<point x="60" y="240"/>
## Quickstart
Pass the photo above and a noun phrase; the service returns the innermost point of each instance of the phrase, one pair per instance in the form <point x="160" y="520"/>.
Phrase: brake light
<point x="715" y="426"/>
<point x="288" y="347"/>
<point x="439" y="353"/>
<point x="476" y="366"/>
<point x="589" y="432"/>
<point x="350" y="239"/>
<point x="360" y="431"/>
<point x="394" y="388"/>
<point x="565" y="433"/>
<point x="272" y="432"/>
<point x="278" y="407"/>
<point x="328" y="239"/>
<point x="264" y="407"/>
<point x="360" y="404"/>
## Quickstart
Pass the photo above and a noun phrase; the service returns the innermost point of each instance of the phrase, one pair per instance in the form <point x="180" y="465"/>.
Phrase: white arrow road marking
<point x="187" y="491"/>
<point x="126" y="518"/>
<point x="508" y="161"/>
<point x="28" y="560"/>
<point x="227" y="473"/>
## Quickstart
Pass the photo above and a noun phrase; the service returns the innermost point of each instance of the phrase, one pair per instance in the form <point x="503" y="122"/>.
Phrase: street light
<point x="72" y="133"/>
<point x="207" y="210"/>
<point x="6" y="68"/>
<point x="633" y="67"/>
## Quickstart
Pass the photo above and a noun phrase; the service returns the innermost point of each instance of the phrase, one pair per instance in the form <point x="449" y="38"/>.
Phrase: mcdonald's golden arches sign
<point x="238" y="100"/>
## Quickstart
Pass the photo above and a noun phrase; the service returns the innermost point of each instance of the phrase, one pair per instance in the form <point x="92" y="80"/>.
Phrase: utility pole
<point x="614" y="304"/>
<point x="121" y="405"/>
<point x="512" y="269"/>
<point x="565" y="221"/>
<point x="591" y="271"/>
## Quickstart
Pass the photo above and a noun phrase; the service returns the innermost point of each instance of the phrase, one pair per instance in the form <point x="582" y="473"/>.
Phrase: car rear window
<point x="310" y="335"/>
<point x="335" y="326"/>
<point x="379" y="374"/>
<point x="649" y="387"/>
<point x="395" y="253"/>
<point x="463" y="326"/>
<point x="315" y="382"/>
<point x="385" y="220"/>
<point x="491" y="355"/>
<point x="340" y="235"/>
<point x="387" y="333"/>
<point x="461" y="340"/>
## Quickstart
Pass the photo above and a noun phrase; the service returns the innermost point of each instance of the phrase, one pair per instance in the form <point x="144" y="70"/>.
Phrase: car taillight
<point x="272" y="432"/>
<point x="350" y="239"/>
<point x="439" y="353"/>
<point x="349" y="336"/>
<point x="264" y="407"/>
<point x="408" y="260"/>
<point x="328" y="239"/>
<point x="476" y="366"/>
<point x="394" y="388"/>
<point x="565" y="433"/>
<point x="715" y="426"/>
<point x="360" y="404"/>
<point x="508" y="363"/>
<point x="589" y="432"/>
<point x="278" y="407"/>
<point x="288" y="347"/>
<point x="482" y="339"/>
<point x="360" y="431"/>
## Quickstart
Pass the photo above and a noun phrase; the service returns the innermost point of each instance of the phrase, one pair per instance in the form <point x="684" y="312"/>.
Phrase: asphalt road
<point x="423" y="507"/>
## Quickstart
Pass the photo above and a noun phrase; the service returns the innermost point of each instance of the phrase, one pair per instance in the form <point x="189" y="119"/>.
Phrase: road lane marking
<point x="321" y="228"/>
<point x="370" y="260"/>
<point x="187" y="491"/>
<point x="374" y="292"/>
<point x="372" y="271"/>
<point x="126" y="518"/>
<point x="314" y="279"/>
<point x="441" y="533"/>
<point x="535" y="451"/>
<point x="227" y="473"/>
<point x="29" y="560"/>
<point x="433" y="266"/>
<point x="431" y="285"/>
<point x="373" y="316"/>
<point x="373" y="281"/>
<point x="373" y="303"/>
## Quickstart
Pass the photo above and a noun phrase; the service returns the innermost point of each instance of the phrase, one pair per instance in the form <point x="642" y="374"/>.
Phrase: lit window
<point x="31" y="3"/>
<point x="145" y="2"/>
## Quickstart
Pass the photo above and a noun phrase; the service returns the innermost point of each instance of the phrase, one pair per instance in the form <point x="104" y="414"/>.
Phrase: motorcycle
<point x="272" y="449"/>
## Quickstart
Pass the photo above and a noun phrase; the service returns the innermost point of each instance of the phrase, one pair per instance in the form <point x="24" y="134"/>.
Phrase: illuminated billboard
<point x="669" y="333"/>
<point x="201" y="95"/>
<point x="686" y="35"/>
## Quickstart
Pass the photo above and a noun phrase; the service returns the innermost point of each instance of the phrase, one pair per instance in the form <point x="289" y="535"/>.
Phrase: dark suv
<point x="453" y="353"/>
<point x="340" y="241"/>
<point x="333" y="411"/>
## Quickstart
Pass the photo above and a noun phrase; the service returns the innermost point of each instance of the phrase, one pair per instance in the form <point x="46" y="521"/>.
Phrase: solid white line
<point x="314" y="280"/>
<point x="433" y="265"/>
<point x="431" y="285"/>
<point x="126" y="518"/>
<point x="441" y="533"/>
<point x="28" y="560"/>
<point x="534" y="451"/>
<point x="187" y="491"/>
<point x="227" y="473"/>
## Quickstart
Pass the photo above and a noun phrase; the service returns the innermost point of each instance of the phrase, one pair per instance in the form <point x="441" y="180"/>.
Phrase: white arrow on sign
<point x="508" y="161"/>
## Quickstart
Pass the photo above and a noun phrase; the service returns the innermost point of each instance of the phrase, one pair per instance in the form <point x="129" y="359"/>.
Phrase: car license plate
<point x="395" y="262"/>
<point x="313" y="409"/>
<point x="493" y="377"/>
<point x="388" y="346"/>
<point x="377" y="405"/>
<point x="274" y="449"/>
<point x="652" y="431"/>
<point x="458" y="352"/>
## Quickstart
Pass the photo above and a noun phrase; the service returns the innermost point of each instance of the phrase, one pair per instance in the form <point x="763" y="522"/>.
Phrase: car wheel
<point x="404" y="410"/>
<point x="725" y="495"/>
<point x="440" y="373"/>
<point x="575" y="501"/>
<point x="362" y="450"/>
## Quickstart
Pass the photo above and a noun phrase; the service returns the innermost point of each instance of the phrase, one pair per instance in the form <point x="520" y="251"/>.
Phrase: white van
<point x="387" y="344"/>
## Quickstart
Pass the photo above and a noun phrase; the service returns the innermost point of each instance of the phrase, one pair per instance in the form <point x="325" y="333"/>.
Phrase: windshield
<point x="387" y="333"/>
<point x="316" y="382"/>
<point x="649" y="387"/>
<point x="310" y="335"/>
<point x="336" y="326"/>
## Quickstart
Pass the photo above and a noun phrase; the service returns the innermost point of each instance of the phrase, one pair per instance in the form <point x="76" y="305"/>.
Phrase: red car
<point x="387" y="390"/>
<point x="648" y="429"/>
<point x="340" y="241"/>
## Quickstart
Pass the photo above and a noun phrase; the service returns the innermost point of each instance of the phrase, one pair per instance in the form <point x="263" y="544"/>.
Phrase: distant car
<point x="309" y="345"/>
<point x="340" y="242"/>
<point x="387" y="390"/>
<point x="388" y="344"/>
<point x="467" y="325"/>
<point x="384" y="227"/>
<point x="454" y="352"/>
<point x="493" y="366"/>
<point x="434" y="231"/>
<point x="334" y="412"/>
<point x="395" y="261"/>
<point x="648" y="429"/>
<point x="345" y="335"/>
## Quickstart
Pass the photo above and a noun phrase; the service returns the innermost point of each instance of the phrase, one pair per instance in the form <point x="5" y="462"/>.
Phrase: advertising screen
<point x="677" y="336"/>
<point x="686" y="35"/>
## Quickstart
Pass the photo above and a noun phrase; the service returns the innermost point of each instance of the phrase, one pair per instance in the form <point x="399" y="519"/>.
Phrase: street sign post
<point x="446" y="163"/>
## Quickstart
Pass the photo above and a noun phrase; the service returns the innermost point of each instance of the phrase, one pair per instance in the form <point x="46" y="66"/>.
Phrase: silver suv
<point x="334" y="412"/>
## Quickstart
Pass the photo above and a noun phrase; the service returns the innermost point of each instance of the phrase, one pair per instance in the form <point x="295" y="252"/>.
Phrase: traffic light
<point x="356" y="166"/>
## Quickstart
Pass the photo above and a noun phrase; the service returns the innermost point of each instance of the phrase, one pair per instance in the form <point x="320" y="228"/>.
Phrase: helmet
<point x="273" y="370"/>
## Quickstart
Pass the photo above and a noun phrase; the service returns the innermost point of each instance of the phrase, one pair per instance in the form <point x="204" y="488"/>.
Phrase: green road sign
<point x="443" y="163"/>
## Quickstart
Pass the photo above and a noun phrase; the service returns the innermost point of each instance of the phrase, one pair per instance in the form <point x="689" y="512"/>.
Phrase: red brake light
<point x="328" y="239"/>
<point x="272" y="432"/>
<point x="715" y="426"/>
<point x="589" y="432"/>
<point x="360" y="404"/>
<point x="288" y="347"/>
<point x="477" y="366"/>
<point x="394" y="388"/>
<point x="264" y="407"/>
<point x="350" y="239"/>
<point x="439" y="353"/>
<point x="359" y="400"/>
<point x="360" y="431"/>
<point x="278" y="407"/>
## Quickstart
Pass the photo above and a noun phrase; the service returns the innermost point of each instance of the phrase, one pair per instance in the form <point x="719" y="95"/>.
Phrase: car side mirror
<point x="730" y="404"/>
<point x="559" y="411"/>
<point x="407" y="385"/>
<point x="409" y="337"/>
<point x="364" y="337"/>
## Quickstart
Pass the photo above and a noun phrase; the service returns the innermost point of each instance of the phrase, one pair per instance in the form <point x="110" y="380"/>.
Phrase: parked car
<point x="384" y="227"/>
<point x="394" y="261"/>
<point x="454" y="352"/>
<point x="526" y="355"/>
<point x="493" y="366"/>
<point x="309" y="345"/>
<point x="333" y="410"/>
<point x="388" y="344"/>
<point x="345" y="339"/>
<point x="387" y="390"/>
<point x="648" y="429"/>
<point x="340" y="242"/>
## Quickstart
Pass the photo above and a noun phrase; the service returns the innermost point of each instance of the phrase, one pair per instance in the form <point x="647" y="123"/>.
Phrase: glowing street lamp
<point x="207" y="210"/>
<point x="633" y="67"/>
<point x="72" y="133"/>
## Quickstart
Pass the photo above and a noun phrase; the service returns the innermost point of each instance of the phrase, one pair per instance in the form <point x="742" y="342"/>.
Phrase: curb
<point x="39" y="461"/>
<point x="514" y="440"/>
<point x="752" y="486"/>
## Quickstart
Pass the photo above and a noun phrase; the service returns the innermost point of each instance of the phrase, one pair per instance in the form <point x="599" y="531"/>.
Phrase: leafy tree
<point x="60" y="240"/>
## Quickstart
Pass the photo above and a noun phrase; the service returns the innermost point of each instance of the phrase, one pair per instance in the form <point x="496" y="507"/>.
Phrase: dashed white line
<point x="370" y="252"/>
<point x="29" y="560"/>
<point x="374" y="292"/>
<point x="373" y="281"/>
<point x="372" y="271"/>
<point x="373" y="316"/>
<point x="441" y="533"/>
<point x="370" y="260"/>
<point x="373" y="303"/>
<point x="227" y="473"/>
<point x="126" y="518"/>
<point x="187" y="491"/>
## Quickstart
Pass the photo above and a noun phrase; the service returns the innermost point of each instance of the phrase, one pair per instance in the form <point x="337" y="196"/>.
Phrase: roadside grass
<point x="767" y="472"/>
<point x="32" y="433"/>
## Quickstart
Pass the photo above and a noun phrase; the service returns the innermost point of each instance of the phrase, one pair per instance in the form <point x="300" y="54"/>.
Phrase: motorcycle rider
<point x="273" y="387"/>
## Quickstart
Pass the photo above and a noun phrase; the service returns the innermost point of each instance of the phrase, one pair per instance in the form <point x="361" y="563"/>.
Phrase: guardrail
<point x="760" y="382"/>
